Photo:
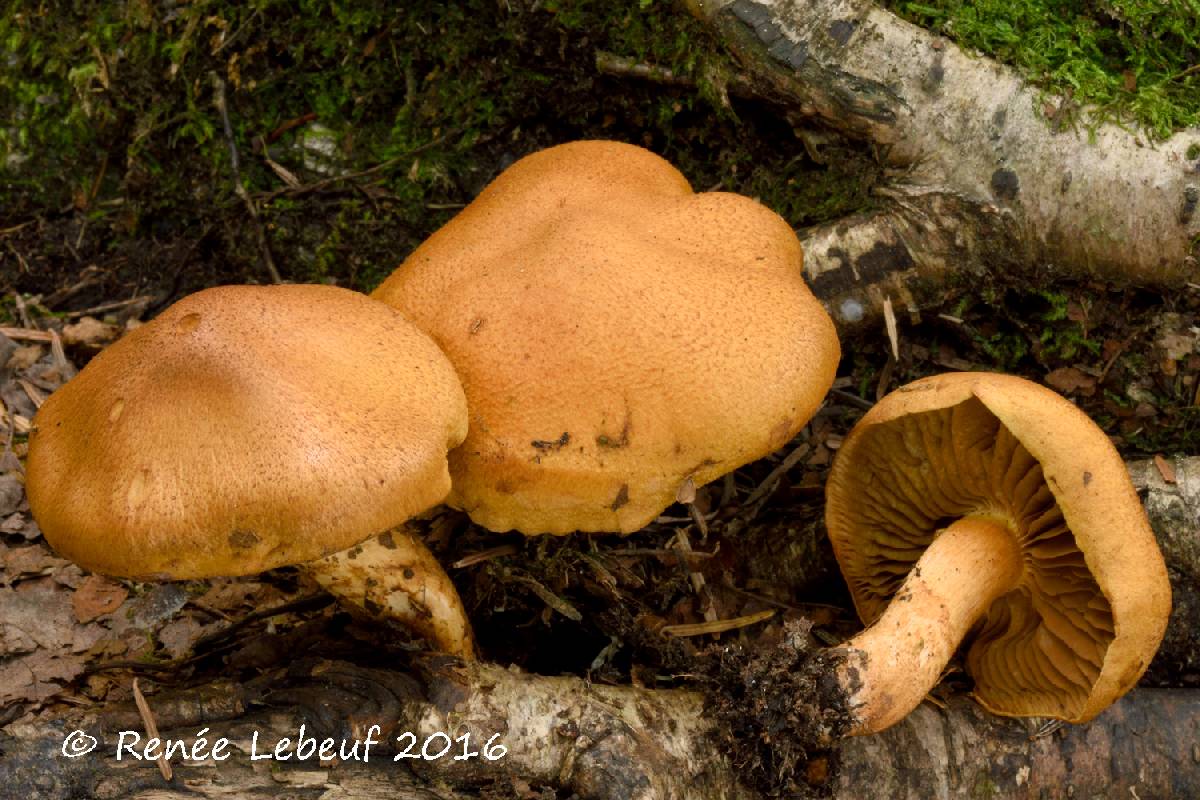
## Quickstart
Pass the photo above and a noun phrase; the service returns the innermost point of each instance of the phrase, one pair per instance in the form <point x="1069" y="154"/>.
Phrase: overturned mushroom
<point x="617" y="336"/>
<point x="986" y="512"/>
<point x="248" y="428"/>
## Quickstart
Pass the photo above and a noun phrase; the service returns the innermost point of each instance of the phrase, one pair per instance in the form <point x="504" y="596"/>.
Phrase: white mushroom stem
<point x="393" y="576"/>
<point x="891" y="666"/>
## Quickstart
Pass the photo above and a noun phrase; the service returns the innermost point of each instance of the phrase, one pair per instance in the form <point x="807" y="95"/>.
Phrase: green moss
<point x="114" y="102"/>
<point x="1125" y="59"/>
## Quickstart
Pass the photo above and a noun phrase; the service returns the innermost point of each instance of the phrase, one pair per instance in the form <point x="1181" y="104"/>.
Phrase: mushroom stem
<point x="394" y="577"/>
<point x="889" y="668"/>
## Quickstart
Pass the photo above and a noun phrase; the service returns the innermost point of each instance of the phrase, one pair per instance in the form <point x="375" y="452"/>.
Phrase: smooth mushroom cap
<point x="616" y="335"/>
<point x="1092" y="604"/>
<point x="245" y="428"/>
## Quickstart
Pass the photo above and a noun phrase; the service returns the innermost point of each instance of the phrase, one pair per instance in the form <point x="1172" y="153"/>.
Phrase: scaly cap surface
<point x="616" y="335"/>
<point x="245" y="428"/>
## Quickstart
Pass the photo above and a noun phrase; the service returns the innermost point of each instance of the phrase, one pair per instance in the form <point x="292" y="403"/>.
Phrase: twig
<point x="20" y="258"/>
<point x="659" y="552"/>
<point x="66" y="370"/>
<point x="151" y="728"/>
<point x="1112" y="360"/>
<point x="32" y="392"/>
<point x="548" y="597"/>
<point x="889" y="320"/>
<point x="251" y="208"/>
<point x="113" y="306"/>
<point x="1189" y="71"/>
<point x="307" y="188"/>
<point x="241" y="29"/>
<point x="312" y="602"/>
<point x="25" y="335"/>
<point x="485" y="555"/>
<point x="17" y="227"/>
<point x="23" y="312"/>
<point x="852" y="399"/>
<point x="206" y="646"/>
<point x="773" y="477"/>
<point x="623" y="67"/>
<point x="89" y="277"/>
<point x="286" y="126"/>
<point x="716" y="626"/>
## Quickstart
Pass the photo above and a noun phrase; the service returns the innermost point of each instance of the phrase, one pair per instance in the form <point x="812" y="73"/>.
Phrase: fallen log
<point x="986" y="175"/>
<point x="600" y="742"/>
<point x="1128" y="751"/>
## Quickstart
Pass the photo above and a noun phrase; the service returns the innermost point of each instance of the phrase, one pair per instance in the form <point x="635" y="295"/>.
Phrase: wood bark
<point x="609" y="743"/>
<point x="985" y="172"/>
<point x="599" y="742"/>
<point x="1128" y="751"/>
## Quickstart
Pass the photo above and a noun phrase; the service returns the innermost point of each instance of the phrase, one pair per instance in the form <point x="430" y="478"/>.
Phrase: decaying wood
<point x="610" y="743"/>
<point x="597" y="741"/>
<point x="1131" y="750"/>
<point x="986" y="174"/>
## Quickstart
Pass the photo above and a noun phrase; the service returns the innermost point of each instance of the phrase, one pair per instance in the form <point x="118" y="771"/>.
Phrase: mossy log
<point x="983" y="175"/>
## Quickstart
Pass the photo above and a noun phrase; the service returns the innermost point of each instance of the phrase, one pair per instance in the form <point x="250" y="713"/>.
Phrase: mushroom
<point x="248" y="428"/>
<point x="985" y="512"/>
<point x="619" y="337"/>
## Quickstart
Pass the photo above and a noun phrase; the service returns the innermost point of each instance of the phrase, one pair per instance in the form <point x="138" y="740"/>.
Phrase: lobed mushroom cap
<point x="616" y="335"/>
<point x="1091" y="608"/>
<point x="245" y="428"/>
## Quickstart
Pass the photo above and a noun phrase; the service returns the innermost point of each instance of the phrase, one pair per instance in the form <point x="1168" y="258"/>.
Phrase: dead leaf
<point x="1069" y="380"/>
<point x="178" y="636"/>
<point x="12" y="492"/>
<point x="1165" y="468"/>
<point x="37" y="676"/>
<point x="22" y="525"/>
<point x="97" y="596"/>
<point x="35" y="560"/>
<point x="43" y="645"/>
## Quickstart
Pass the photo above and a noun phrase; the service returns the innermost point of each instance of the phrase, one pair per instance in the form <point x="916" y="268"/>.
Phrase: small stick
<point x="66" y="370"/>
<point x="716" y="626"/>
<point x="548" y="597"/>
<point x="621" y="66"/>
<point x="251" y="208"/>
<point x="25" y="335"/>
<point x="113" y="306"/>
<point x="768" y="483"/>
<point x="23" y="311"/>
<point x="889" y="320"/>
<point x="485" y="555"/>
<point x="852" y="399"/>
<point x="307" y="188"/>
<point x="151" y="728"/>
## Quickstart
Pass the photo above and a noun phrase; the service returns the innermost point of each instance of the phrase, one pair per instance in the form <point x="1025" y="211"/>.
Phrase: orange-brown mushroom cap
<point x="1092" y="601"/>
<point x="616" y="335"/>
<point x="245" y="428"/>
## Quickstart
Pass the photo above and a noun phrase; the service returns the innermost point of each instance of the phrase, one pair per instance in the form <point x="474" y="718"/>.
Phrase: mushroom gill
<point x="1038" y="650"/>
